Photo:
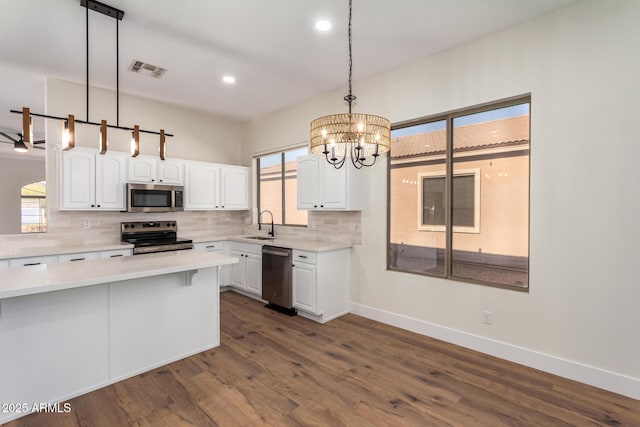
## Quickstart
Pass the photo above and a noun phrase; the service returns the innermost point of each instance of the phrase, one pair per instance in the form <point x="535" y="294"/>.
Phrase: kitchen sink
<point x="259" y="238"/>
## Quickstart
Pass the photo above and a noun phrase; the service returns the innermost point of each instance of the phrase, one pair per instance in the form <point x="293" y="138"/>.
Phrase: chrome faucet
<point x="271" y="233"/>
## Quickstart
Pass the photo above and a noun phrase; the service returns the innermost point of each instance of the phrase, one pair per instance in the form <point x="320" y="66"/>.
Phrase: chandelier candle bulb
<point x="69" y="133"/>
<point x="135" y="141"/>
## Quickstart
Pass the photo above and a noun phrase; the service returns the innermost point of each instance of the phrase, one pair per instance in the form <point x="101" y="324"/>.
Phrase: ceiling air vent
<point x="147" y="69"/>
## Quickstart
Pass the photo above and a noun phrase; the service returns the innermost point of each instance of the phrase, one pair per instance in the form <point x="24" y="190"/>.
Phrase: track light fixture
<point x="68" y="126"/>
<point x="135" y="141"/>
<point x="69" y="133"/>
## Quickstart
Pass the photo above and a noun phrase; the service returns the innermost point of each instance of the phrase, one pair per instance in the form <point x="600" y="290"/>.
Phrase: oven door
<point x="151" y="198"/>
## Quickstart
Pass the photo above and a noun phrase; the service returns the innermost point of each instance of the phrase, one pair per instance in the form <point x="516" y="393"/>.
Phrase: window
<point x="466" y="201"/>
<point x="33" y="201"/>
<point x="278" y="189"/>
<point x="459" y="195"/>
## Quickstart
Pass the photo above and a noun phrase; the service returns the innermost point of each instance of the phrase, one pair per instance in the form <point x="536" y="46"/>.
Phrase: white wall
<point x="580" y="65"/>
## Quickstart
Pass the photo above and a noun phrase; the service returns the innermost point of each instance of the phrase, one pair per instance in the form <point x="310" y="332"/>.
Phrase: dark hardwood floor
<point x="275" y="370"/>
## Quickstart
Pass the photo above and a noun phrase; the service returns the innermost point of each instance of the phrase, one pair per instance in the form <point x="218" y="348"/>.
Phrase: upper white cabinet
<point x="210" y="186"/>
<point x="323" y="187"/>
<point x="234" y="187"/>
<point x="89" y="180"/>
<point x="200" y="181"/>
<point x="150" y="169"/>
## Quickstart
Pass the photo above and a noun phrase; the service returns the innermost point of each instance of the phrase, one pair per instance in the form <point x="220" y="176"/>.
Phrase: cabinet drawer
<point x="304" y="256"/>
<point x="253" y="249"/>
<point x="79" y="256"/>
<point x="4" y="263"/>
<point x="23" y="262"/>
<point x="115" y="253"/>
<point x="209" y="246"/>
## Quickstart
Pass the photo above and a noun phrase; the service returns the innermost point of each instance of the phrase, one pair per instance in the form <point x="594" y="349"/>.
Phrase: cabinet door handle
<point x="116" y="256"/>
<point x="93" y="206"/>
<point x="293" y="265"/>
<point x="32" y="263"/>
<point x="302" y="256"/>
<point x="98" y="205"/>
<point x="77" y="259"/>
<point x="210" y="247"/>
<point x="315" y="206"/>
<point x="153" y="180"/>
<point x="322" y="206"/>
<point x="160" y="180"/>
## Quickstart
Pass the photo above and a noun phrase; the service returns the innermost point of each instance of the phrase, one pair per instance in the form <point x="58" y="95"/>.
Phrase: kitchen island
<point x="70" y="328"/>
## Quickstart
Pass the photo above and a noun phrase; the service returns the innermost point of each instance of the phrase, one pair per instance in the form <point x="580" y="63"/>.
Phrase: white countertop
<point x="19" y="252"/>
<point x="291" y="243"/>
<point x="35" y="279"/>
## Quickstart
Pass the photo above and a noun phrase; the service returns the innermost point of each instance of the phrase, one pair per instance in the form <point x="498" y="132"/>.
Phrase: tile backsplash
<point x="77" y="228"/>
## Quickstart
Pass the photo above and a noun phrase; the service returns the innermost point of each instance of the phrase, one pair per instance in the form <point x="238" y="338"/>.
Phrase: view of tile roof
<point x="495" y="133"/>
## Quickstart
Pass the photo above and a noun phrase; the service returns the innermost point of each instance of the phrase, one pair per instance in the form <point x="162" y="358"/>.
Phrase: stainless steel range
<point x="153" y="236"/>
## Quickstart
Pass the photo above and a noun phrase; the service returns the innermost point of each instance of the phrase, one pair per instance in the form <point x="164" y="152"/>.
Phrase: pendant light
<point x="353" y="135"/>
<point x="27" y="129"/>
<point x="135" y="141"/>
<point x="163" y="145"/>
<point x="69" y="133"/>
<point x="102" y="137"/>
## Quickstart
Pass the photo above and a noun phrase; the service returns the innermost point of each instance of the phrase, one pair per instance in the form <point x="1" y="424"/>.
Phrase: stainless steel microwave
<point x="154" y="198"/>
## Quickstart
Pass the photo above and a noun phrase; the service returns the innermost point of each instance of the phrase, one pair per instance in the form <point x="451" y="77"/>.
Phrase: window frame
<point x="448" y="117"/>
<point x="282" y="154"/>
<point x="475" y="172"/>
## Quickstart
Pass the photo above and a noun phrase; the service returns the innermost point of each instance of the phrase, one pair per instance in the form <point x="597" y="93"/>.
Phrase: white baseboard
<point x="601" y="378"/>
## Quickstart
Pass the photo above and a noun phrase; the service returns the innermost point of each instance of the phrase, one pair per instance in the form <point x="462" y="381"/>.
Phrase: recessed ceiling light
<point x="229" y="80"/>
<point x="323" y="25"/>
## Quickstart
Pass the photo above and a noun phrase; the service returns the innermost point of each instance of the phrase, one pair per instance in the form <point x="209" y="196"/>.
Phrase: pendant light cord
<point x="350" y="98"/>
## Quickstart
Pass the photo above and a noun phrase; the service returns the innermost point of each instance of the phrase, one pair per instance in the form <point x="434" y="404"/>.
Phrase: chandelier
<point x="356" y="136"/>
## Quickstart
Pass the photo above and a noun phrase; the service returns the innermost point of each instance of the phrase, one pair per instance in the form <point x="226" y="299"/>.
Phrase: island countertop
<point x="20" y="281"/>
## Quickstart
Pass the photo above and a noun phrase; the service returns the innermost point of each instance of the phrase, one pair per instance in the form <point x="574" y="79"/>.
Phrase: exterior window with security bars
<point x="278" y="187"/>
<point x="459" y="195"/>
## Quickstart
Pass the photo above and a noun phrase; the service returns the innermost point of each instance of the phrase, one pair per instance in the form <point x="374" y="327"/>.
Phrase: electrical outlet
<point x="87" y="224"/>
<point x="487" y="317"/>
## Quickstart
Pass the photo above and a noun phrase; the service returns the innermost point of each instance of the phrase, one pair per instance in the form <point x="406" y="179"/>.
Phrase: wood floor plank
<point x="275" y="370"/>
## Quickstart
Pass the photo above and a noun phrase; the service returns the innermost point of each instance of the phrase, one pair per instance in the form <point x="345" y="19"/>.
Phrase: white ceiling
<point x="271" y="47"/>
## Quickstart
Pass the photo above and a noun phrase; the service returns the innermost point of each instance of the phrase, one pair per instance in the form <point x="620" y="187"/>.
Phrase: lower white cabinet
<point x="115" y="253"/>
<point x="305" y="288"/>
<point x="218" y="247"/>
<point x="321" y="284"/>
<point x="79" y="256"/>
<point x="51" y="259"/>
<point x="246" y="275"/>
<point x="24" y="262"/>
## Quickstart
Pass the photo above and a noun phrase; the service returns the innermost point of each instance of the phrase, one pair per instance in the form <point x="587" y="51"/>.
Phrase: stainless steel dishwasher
<point x="277" y="279"/>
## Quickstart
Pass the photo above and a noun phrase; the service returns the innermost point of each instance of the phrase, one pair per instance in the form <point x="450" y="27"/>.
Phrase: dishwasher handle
<point x="276" y="253"/>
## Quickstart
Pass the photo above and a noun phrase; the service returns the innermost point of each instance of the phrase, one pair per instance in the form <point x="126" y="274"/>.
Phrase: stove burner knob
<point x="126" y="226"/>
<point x="133" y="226"/>
<point x="174" y="224"/>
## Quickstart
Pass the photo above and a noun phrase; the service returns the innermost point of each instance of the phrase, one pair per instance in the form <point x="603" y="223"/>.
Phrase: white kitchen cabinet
<point x="82" y="256"/>
<point x="323" y="187"/>
<point x="247" y="274"/>
<point x="116" y="253"/>
<point x="150" y="169"/>
<point x="304" y="287"/>
<point x="200" y="182"/>
<point x="321" y="284"/>
<point x="218" y="247"/>
<point x="91" y="181"/>
<point x="171" y="172"/>
<point x="234" y="187"/>
<point x="211" y="186"/>
<point x="40" y="260"/>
